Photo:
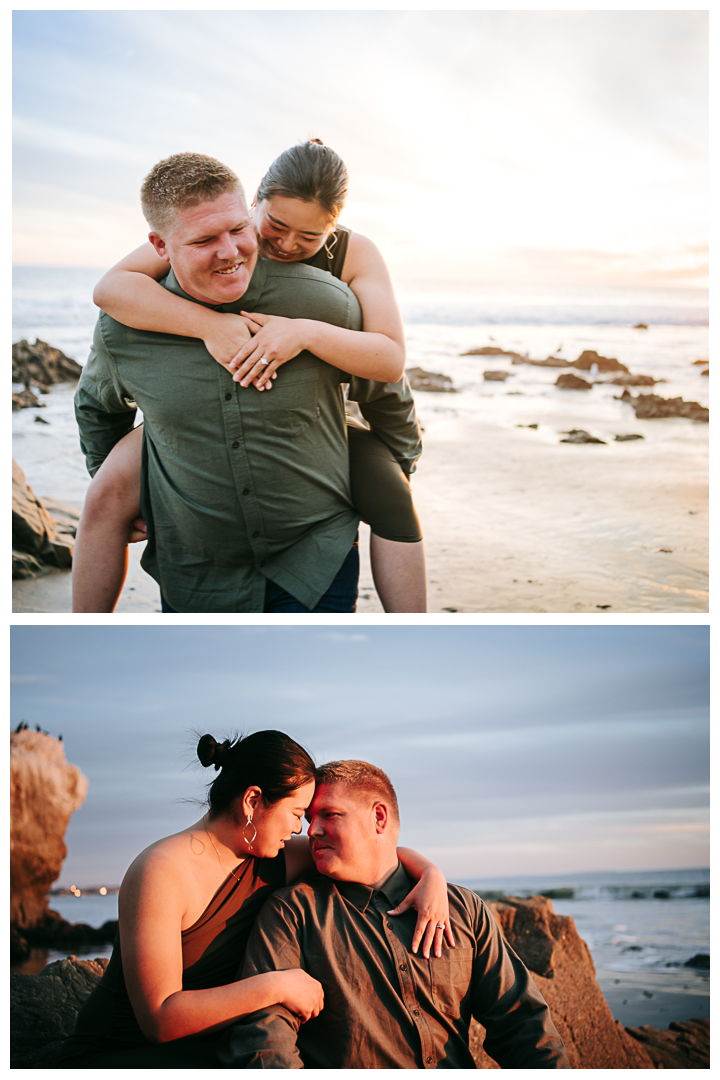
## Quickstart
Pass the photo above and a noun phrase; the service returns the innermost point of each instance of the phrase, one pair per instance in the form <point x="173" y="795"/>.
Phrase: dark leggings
<point x="380" y="489"/>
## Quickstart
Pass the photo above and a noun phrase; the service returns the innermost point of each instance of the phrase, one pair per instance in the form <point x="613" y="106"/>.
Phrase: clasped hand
<point x="275" y="340"/>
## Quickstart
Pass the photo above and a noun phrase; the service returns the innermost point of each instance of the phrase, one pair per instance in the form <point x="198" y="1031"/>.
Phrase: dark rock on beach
<point x="635" y="380"/>
<point x="577" y="435"/>
<point x="628" y="438"/>
<point x="568" y="381"/>
<point x="43" y="531"/>
<point x="604" y="363"/>
<point x="684" y="1045"/>
<point x="496" y="376"/>
<point x="430" y="381"/>
<point x="493" y="350"/>
<point x="25" y="399"/>
<point x="652" y="407"/>
<point x="640" y="326"/>
<point x="552" y="361"/>
<point x="44" y="1007"/>
<point x="700" y="960"/>
<point x="42" y="365"/>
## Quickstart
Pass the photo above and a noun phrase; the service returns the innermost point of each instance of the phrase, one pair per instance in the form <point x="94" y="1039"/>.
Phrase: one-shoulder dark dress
<point x="107" y="1035"/>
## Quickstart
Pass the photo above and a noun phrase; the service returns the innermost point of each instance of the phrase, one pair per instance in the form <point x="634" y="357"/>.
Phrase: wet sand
<point x="515" y="521"/>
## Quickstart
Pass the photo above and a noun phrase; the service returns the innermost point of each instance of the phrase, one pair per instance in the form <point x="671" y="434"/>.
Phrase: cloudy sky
<point x="488" y="146"/>
<point x="514" y="750"/>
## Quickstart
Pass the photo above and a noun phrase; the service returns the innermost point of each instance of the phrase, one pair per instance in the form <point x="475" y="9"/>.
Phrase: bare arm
<point x="151" y="910"/>
<point x="130" y="293"/>
<point x="430" y="899"/>
<point x="376" y="352"/>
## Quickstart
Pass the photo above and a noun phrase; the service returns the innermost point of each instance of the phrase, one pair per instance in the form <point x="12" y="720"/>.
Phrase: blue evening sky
<point x="514" y="750"/>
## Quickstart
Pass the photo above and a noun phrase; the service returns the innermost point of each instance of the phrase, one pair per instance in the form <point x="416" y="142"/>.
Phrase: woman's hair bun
<point x="211" y="752"/>
<point x="318" y="141"/>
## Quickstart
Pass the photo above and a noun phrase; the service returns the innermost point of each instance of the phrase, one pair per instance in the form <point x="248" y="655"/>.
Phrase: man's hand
<point x="225" y="335"/>
<point x="138" y="531"/>
<point x="276" y="340"/>
<point x="430" y="900"/>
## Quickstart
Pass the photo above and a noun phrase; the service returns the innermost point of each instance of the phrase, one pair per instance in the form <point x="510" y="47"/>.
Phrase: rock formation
<point x="577" y="435"/>
<point x="552" y="361"/>
<point x="493" y="350"/>
<point x="568" y="381"/>
<point x="587" y="359"/>
<point x="44" y="791"/>
<point x="635" y="380"/>
<point x="42" y="365"/>
<point x="26" y="400"/>
<point x="43" y="531"/>
<point x="43" y="1007"/>
<point x="496" y="376"/>
<point x="430" y="381"/>
<point x="652" y="407"/>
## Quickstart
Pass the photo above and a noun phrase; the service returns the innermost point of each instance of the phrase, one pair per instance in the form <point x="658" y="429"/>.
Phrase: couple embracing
<point x="239" y="333"/>
<point x="242" y="945"/>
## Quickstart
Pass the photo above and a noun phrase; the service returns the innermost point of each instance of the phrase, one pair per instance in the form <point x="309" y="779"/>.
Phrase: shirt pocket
<point x="450" y="976"/>
<point x="291" y="407"/>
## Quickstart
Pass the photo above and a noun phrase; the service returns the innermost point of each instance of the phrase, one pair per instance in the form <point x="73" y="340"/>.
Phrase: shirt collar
<point x="395" y="889"/>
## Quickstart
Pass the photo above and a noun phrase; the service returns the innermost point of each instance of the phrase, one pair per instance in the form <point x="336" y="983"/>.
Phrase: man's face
<point x="212" y="248"/>
<point x="343" y="837"/>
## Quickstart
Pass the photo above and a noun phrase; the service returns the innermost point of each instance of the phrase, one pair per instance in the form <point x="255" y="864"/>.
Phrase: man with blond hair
<point x="384" y="1006"/>
<point x="246" y="495"/>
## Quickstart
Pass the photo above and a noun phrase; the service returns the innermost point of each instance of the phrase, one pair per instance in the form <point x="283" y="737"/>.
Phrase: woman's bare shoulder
<point x="362" y="258"/>
<point x="165" y="858"/>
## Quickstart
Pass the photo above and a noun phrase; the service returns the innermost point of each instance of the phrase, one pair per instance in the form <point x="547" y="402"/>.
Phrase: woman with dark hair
<point x="188" y="903"/>
<point x="296" y="212"/>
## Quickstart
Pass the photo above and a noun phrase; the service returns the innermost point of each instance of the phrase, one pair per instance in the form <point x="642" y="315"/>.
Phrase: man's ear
<point x="159" y="244"/>
<point x="382" y="817"/>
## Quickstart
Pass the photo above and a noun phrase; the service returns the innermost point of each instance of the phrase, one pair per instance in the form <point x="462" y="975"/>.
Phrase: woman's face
<point x="289" y="230"/>
<point x="276" y="822"/>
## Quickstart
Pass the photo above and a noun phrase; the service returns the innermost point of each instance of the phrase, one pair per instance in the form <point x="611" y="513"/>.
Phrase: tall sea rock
<point x="44" y="791"/>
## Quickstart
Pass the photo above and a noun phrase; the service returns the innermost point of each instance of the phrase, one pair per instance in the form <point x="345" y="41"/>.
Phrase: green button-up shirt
<point x="386" y="1007"/>
<point x="239" y="486"/>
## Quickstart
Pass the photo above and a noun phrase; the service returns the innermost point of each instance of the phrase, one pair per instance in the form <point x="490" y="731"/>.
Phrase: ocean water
<point x="641" y="929"/>
<point x="639" y="941"/>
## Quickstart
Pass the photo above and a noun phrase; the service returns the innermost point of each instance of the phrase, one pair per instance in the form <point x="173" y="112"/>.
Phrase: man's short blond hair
<point x="180" y="181"/>
<point x="361" y="776"/>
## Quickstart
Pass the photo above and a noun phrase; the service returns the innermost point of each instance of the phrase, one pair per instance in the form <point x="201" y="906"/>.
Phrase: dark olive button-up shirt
<point x="239" y="486"/>
<point x="384" y="1006"/>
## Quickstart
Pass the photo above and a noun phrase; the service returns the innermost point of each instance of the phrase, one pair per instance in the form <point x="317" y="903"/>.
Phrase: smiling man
<point x="385" y="1007"/>
<point x="246" y="495"/>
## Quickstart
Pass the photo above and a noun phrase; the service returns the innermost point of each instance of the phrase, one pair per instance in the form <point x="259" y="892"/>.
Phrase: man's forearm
<point x="266" y="1039"/>
<point x="390" y="410"/>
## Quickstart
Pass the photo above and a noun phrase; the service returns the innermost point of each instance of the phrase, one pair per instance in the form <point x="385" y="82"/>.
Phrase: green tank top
<point x="322" y="261"/>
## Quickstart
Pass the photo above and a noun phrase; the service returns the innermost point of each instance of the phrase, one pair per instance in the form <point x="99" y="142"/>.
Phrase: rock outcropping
<point x="653" y="407"/>
<point x="43" y="1007"/>
<point x="430" y="381"/>
<point x="43" y="530"/>
<point x="44" y="791"/>
<point x="41" y="365"/>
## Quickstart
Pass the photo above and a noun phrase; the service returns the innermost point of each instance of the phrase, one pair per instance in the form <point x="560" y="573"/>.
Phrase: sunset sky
<point x="483" y="146"/>
<point x="514" y="750"/>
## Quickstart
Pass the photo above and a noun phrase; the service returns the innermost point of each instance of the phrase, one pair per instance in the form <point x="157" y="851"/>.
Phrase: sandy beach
<point x="514" y="520"/>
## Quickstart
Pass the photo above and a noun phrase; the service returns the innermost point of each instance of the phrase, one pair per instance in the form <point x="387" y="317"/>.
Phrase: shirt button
<point x="429" y="1061"/>
<point x="403" y="967"/>
<point x="235" y="445"/>
<point x="416" y="1012"/>
<point x="228" y="397"/>
<point x="246" y="491"/>
<point x="255" y="534"/>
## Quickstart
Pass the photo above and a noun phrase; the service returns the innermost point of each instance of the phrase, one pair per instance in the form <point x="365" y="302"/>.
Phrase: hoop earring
<point x="254" y="835"/>
<point x="329" y="249"/>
